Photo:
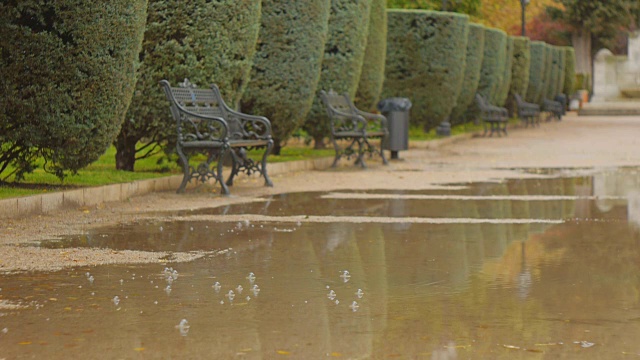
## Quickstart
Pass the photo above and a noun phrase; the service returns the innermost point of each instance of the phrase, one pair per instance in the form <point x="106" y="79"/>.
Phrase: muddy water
<point x="567" y="288"/>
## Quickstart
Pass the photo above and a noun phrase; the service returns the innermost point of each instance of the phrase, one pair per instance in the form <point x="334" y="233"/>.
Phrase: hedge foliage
<point x="560" y="63"/>
<point x="342" y="60"/>
<point x="547" y="75"/>
<point x="67" y="74"/>
<point x="286" y="67"/>
<point x="536" y="71"/>
<point x="426" y="54"/>
<point x="205" y="41"/>
<point x="475" y="53"/>
<point x="519" y="71"/>
<point x="505" y="84"/>
<point x="372" y="75"/>
<point x="569" y="87"/>
<point x="493" y="62"/>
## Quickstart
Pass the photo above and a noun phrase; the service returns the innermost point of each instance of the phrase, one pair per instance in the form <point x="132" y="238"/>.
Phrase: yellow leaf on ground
<point x="283" y="352"/>
<point x="139" y="349"/>
<point x="336" y="354"/>
<point x="24" y="343"/>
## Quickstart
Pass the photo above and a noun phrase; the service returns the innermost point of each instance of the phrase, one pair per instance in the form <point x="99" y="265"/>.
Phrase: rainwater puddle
<point x="308" y="278"/>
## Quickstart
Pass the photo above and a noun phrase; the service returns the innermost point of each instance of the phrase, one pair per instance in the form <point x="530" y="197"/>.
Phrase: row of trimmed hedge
<point x="269" y="57"/>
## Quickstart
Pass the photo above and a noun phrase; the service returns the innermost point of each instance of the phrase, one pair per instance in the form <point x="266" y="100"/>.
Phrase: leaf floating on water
<point x="138" y="349"/>
<point x="534" y="350"/>
<point x="283" y="352"/>
<point x="336" y="354"/>
<point x="550" y="344"/>
<point x="24" y="343"/>
<point x="511" y="347"/>
<point x="586" y="344"/>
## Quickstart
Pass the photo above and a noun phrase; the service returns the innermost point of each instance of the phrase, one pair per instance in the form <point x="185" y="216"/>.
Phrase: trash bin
<point x="396" y="110"/>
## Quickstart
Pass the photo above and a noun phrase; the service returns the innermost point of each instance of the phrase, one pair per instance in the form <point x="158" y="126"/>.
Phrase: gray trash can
<point x="396" y="110"/>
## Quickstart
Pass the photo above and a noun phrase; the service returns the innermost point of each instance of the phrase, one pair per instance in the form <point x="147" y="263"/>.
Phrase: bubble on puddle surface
<point x="354" y="306"/>
<point x="248" y="298"/>
<point x="230" y="295"/>
<point x="345" y="276"/>
<point x="91" y="279"/>
<point x="121" y="281"/>
<point x="359" y="293"/>
<point x="256" y="290"/>
<point x="216" y="286"/>
<point x="183" y="327"/>
<point x="5" y="330"/>
<point x="337" y="302"/>
<point x="251" y="277"/>
<point x="221" y="302"/>
<point x="87" y="274"/>
<point x="331" y="295"/>
<point x="239" y="289"/>
<point x="116" y="300"/>
<point x="161" y="228"/>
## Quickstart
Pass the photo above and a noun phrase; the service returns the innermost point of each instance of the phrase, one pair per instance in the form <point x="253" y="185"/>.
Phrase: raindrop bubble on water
<point x="331" y="295"/>
<point x="256" y="290"/>
<point x="174" y="274"/>
<point x="221" y="302"/>
<point x="183" y="327"/>
<point x="354" y="306"/>
<point x="251" y="277"/>
<point x="121" y="281"/>
<point x="239" y="289"/>
<point x="87" y="274"/>
<point x="169" y="279"/>
<point x="345" y="275"/>
<point x="337" y="302"/>
<point x="248" y="298"/>
<point x="168" y="289"/>
<point x="359" y="293"/>
<point x="161" y="228"/>
<point x="116" y="300"/>
<point x="93" y="294"/>
<point x="216" y="286"/>
<point x="156" y="302"/>
<point x="231" y="295"/>
<point x="5" y="330"/>
<point x="91" y="279"/>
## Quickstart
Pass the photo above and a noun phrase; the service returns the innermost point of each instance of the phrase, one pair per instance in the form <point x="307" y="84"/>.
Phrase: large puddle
<point x="524" y="269"/>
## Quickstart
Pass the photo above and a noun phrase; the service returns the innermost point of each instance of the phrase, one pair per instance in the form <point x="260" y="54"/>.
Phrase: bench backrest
<point x="482" y="103"/>
<point x="202" y="101"/>
<point x="335" y="105"/>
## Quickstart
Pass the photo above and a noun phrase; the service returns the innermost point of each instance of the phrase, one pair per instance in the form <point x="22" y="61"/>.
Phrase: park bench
<point x="205" y="124"/>
<point x="553" y="108"/>
<point x="497" y="117"/>
<point x="355" y="127"/>
<point x="528" y="112"/>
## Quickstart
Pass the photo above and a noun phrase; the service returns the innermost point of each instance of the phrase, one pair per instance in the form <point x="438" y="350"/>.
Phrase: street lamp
<point x="524" y="4"/>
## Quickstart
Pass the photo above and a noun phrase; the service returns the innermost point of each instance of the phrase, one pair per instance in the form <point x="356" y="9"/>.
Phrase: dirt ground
<point x="574" y="142"/>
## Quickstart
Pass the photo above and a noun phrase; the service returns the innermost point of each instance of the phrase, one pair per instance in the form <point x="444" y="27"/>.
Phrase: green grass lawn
<point x="103" y="171"/>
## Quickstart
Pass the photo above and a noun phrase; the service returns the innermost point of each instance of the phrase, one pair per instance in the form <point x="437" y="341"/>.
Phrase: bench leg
<point x="360" y="158"/>
<point x="186" y="170"/>
<point x="224" y="189"/>
<point x="263" y="169"/>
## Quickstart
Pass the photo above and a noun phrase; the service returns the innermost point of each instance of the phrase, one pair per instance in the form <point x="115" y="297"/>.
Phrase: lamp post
<point x="523" y="4"/>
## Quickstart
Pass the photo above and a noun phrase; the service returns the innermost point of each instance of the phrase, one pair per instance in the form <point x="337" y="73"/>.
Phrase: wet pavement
<point x="538" y="268"/>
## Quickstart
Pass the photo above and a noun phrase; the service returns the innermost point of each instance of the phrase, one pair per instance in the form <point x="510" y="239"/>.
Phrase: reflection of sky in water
<point x="624" y="183"/>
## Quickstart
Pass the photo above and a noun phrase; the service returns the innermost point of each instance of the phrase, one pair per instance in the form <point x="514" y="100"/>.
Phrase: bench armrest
<point x="379" y="120"/>
<point x="202" y="127"/>
<point x="252" y="126"/>
<point x="359" y="123"/>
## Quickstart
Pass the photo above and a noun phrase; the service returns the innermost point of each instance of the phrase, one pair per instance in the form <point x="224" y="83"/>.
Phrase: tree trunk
<point x="125" y="153"/>
<point x="318" y="143"/>
<point x="581" y="41"/>
<point x="277" y="147"/>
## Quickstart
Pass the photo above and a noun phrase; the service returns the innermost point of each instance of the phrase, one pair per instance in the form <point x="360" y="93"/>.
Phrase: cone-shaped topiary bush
<point x="473" y="64"/>
<point x="551" y="73"/>
<point x="342" y="61"/>
<point x="536" y="71"/>
<point x="286" y="67"/>
<point x="67" y="74"/>
<point x="569" y="71"/>
<point x="426" y="54"/>
<point x="205" y="41"/>
<point x="503" y="90"/>
<point x="519" y="71"/>
<point x="495" y="48"/>
<point x="372" y="75"/>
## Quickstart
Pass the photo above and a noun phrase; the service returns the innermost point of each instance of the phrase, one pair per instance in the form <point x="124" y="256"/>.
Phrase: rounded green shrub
<point x="204" y="41"/>
<point x="372" y="75"/>
<point x="67" y="71"/>
<point x="546" y="75"/>
<point x="426" y="54"/>
<point x="505" y="84"/>
<point x="342" y="60"/>
<point x="536" y="71"/>
<point x="521" y="63"/>
<point x="473" y="64"/>
<point x="492" y="72"/>
<point x="286" y="66"/>
<point x="569" y="87"/>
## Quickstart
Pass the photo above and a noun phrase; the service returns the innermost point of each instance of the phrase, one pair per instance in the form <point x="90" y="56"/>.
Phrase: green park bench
<point x="495" y="116"/>
<point x="527" y="112"/>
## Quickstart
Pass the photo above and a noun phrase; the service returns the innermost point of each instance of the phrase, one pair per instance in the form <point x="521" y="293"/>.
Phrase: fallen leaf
<point x="139" y="349"/>
<point x="336" y="354"/>
<point x="511" y="347"/>
<point x="24" y="343"/>
<point x="283" y="352"/>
